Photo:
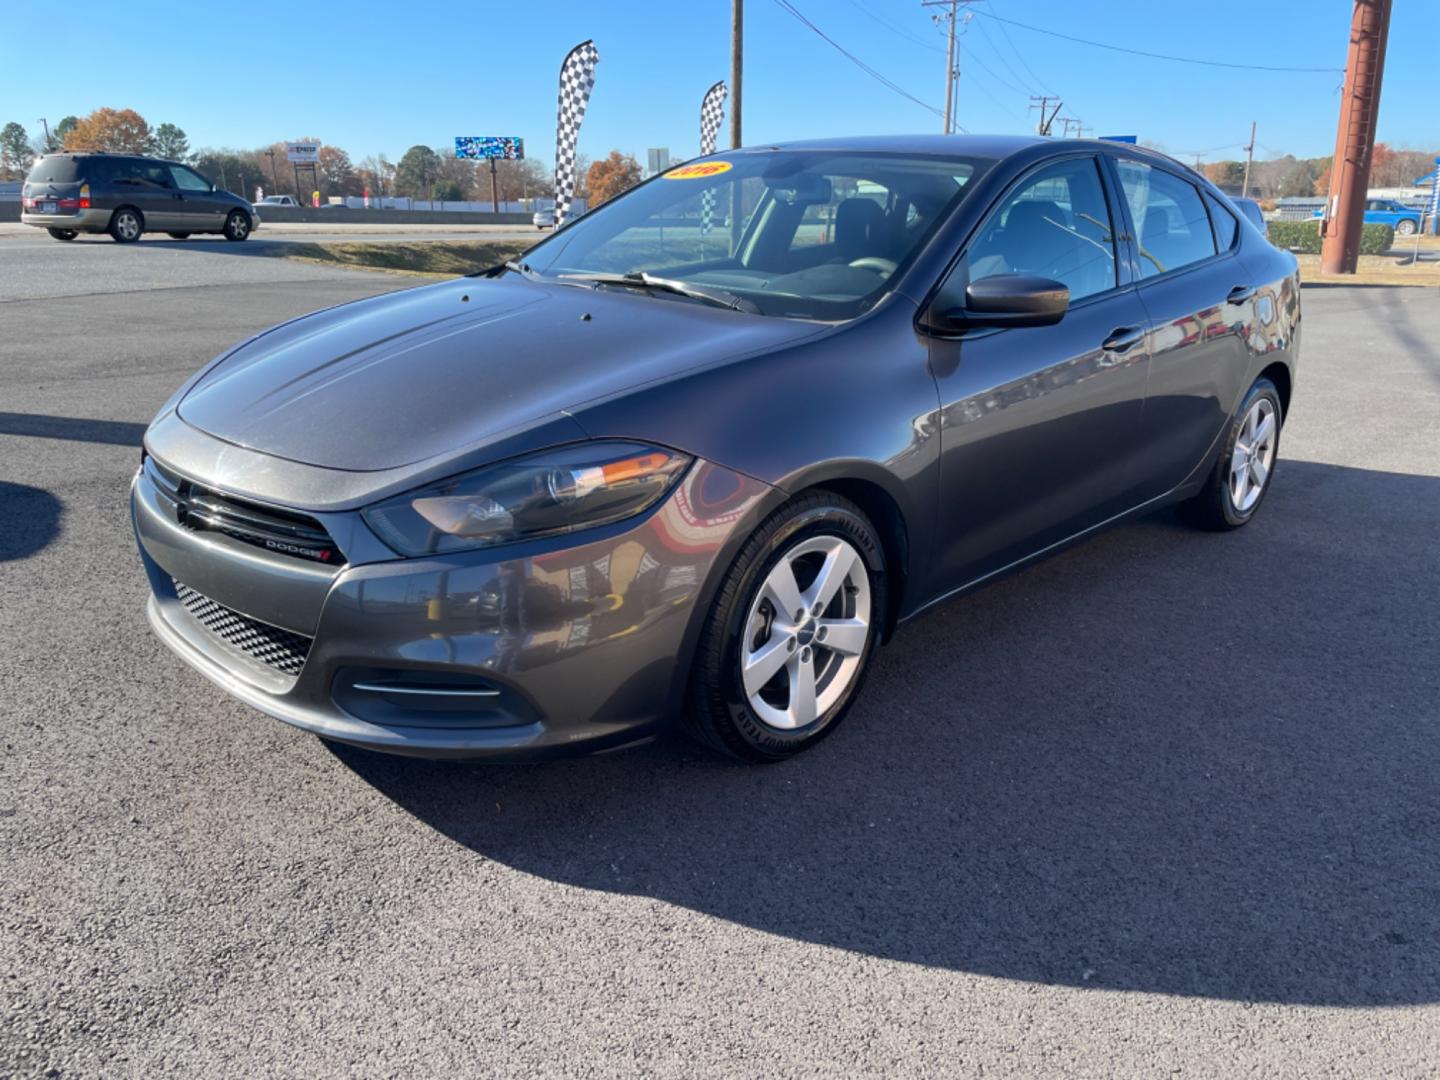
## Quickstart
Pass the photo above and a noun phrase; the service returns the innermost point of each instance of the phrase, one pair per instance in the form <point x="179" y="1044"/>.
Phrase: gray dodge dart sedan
<point x="693" y="457"/>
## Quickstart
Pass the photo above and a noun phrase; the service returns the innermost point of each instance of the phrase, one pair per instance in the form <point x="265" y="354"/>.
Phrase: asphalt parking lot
<point x="1163" y="805"/>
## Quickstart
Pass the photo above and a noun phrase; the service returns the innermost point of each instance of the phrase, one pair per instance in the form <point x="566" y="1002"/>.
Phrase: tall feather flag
<point x="577" y="79"/>
<point x="712" y="111"/>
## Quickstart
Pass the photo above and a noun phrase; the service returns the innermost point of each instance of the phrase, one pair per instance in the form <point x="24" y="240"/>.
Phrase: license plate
<point x="48" y="207"/>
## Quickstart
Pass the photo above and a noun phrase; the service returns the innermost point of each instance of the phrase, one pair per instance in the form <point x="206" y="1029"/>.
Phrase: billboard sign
<point x="474" y="147"/>
<point x="302" y="153"/>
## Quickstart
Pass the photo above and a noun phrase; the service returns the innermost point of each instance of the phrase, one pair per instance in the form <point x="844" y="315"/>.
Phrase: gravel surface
<point x="1163" y="805"/>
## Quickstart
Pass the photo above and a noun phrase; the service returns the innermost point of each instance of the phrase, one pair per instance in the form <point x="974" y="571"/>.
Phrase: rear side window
<point x="1171" y="225"/>
<point x="1224" y="222"/>
<point x="57" y="169"/>
<point x="138" y="172"/>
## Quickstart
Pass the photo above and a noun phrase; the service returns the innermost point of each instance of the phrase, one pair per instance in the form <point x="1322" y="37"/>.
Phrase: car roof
<point x="994" y="147"/>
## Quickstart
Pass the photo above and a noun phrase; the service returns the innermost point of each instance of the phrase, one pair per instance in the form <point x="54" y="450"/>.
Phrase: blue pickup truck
<point x="1405" y="221"/>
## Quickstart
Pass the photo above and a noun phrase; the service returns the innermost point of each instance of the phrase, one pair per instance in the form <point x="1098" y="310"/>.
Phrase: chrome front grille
<point x="276" y="648"/>
<point x="284" y="532"/>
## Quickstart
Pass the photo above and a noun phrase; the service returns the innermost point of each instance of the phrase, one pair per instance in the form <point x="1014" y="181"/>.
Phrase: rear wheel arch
<point x="1279" y="374"/>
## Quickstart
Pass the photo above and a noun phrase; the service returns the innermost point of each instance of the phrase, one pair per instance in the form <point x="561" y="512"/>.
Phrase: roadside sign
<point x="1131" y="139"/>
<point x="302" y="153"/>
<point x="509" y="147"/>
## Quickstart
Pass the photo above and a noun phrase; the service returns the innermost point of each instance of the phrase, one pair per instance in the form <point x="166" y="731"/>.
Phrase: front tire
<point x="1406" y="227"/>
<point x="63" y="234"/>
<point x="126" y="225"/>
<point x="792" y="632"/>
<point x="237" y="226"/>
<point x="1242" y="474"/>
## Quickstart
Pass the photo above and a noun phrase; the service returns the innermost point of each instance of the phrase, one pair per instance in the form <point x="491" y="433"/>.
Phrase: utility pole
<point x="1249" y="157"/>
<point x="1068" y="121"/>
<point x="49" y="144"/>
<point x="1355" y="139"/>
<point x="273" y="178"/>
<point x="1047" y="115"/>
<point x="737" y="65"/>
<point x="949" y="15"/>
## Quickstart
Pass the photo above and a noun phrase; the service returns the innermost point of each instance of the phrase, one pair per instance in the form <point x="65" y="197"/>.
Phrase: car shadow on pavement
<point x="38" y="425"/>
<point x="29" y="521"/>
<point x="1164" y="761"/>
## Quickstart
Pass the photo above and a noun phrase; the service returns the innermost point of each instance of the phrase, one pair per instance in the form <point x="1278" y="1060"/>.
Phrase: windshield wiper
<point x="642" y="280"/>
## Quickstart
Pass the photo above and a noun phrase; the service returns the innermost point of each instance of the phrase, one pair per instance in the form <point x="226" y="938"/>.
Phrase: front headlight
<point x="556" y="491"/>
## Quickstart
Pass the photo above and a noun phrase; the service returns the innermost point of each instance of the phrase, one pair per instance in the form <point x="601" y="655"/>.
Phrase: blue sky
<point x="374" y="77"/>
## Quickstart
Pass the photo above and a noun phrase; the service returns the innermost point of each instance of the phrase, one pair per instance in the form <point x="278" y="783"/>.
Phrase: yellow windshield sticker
<point x="698" y="171"/>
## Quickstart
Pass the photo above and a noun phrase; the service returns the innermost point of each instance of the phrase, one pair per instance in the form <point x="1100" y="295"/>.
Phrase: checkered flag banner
<point x="577" y="79"/>
<point x="712" y="111"/>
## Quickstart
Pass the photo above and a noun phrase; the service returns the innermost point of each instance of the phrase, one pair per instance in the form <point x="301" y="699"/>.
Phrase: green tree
<point x="15" y="153"/>
<point x="447" y="191"/>
<point x="59" y="132"/>
<point x="233" y="170"/>
<point x="336" y="170"/>
<point x="417" y="170"/>
<point x="170" y="142"/>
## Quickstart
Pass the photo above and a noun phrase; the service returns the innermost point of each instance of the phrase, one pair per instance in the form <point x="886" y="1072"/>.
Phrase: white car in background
<point x="277" y="200"/>
<point x="544" y="219"/>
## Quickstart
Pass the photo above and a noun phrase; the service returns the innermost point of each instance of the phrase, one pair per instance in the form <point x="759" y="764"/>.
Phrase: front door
<point x="1041" y="426"/>
<point x="200" y="209"/>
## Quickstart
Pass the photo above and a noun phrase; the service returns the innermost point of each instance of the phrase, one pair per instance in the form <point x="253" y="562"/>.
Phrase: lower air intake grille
<point x="282" y="650"/>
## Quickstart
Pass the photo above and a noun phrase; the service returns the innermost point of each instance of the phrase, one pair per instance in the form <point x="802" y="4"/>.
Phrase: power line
<point x="1152" y="55"/>
<point x="790" y="8"/>
<point x="1018" y="56"/>
<point x="896" y="30"/>
<point x="1000" y="55"/>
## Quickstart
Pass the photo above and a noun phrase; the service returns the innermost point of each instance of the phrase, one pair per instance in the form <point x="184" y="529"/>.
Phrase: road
<point x="1163" y="805"/>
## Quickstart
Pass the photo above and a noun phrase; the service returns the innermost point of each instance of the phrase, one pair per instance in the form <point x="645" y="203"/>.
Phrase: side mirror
<point x="1001" y="300"/>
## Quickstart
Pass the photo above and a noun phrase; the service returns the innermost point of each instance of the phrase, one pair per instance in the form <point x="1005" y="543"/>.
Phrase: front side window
<point x="806" y="234"/>
<point x="1172" y="227"/>
<point x="1055" y="225"/>
<point x="186" y="180"/>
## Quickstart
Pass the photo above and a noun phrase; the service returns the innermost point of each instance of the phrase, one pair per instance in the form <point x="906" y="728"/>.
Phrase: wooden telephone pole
<point x="1355" y="140"/>
<point x="737" y="65"/>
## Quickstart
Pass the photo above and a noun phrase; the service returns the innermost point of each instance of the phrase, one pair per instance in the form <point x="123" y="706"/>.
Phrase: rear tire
<point x="237" y="226"/>
<point x="63" y="234"/>
<point x="126" y="225"/>
<point x="1405" y="227"/>
<point x="769" y="682"/>
<point x="178" y="235"/>
<point x="1241" y="478"/>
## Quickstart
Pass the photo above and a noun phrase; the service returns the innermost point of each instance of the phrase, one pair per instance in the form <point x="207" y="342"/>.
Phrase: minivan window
<point x="134" y="171"/>
<point x="188" y="180"/>
<point x="1056" y="225"/>
<point x="1172" y="228"/>
<point x="57" y="169"/>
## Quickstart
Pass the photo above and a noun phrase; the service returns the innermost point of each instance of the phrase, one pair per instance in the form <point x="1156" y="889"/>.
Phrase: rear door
<point x="1199" y="299"/>
<point x="201" y="209"/>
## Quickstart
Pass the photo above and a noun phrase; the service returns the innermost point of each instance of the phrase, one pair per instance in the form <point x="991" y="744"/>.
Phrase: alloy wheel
<point x="806" y="632"/>
<point x="127" y="225"/>
<point x="1253" y="456"/>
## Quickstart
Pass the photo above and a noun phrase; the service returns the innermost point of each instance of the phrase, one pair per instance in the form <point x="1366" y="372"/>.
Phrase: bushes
<point x="1376" y="239"/>
<point x="1304" y="236"/>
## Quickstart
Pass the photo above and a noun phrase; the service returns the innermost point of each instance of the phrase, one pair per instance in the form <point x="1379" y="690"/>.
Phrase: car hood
<point x="424" y="373"/>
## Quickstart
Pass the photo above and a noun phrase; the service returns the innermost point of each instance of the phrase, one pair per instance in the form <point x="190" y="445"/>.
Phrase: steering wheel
<point x="883" y="267"/>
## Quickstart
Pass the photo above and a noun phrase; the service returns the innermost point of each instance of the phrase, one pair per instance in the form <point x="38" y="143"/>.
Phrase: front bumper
<point x="517" y="652"/>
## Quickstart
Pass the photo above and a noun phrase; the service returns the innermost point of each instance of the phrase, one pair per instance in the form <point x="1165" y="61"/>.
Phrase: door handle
<point x="1124" y="339"/>
<point x="1240" y="293"/>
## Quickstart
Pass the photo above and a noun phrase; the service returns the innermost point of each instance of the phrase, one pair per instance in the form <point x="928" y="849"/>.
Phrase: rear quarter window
<point x="57" y="169"/>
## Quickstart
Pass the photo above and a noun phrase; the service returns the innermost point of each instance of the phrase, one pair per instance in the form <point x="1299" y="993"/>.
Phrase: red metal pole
<point x="1355" y="140"/>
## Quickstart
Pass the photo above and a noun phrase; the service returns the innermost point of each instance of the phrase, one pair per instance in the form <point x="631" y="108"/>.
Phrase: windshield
<point x="808" y="234"/>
